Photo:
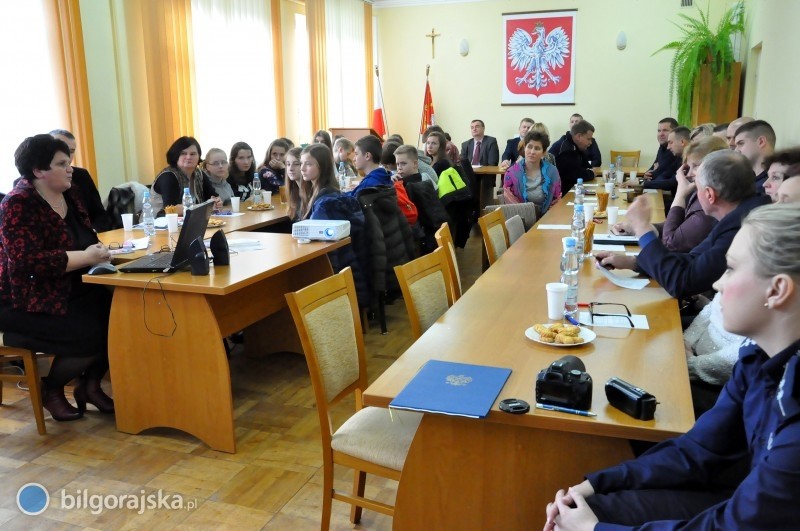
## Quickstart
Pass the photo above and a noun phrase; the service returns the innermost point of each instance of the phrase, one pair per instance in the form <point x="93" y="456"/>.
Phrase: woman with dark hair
<point x="323" y="137"/>
<point x="273" y="169"/>
<point x="241" y="169"/>
<point x="182" y="171"/>
<point x="298" y="190"/>
<point x="435" y="148"/>
<point x="46" y="244"/>
<point x="532" y="179"/>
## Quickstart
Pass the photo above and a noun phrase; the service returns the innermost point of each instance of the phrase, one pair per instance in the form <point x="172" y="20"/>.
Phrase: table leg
<point x="473" y="474"/>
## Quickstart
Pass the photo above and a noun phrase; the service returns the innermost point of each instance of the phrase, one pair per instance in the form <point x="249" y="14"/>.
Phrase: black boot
<point x="89" y="390"/>
<point x="56" y="403"/>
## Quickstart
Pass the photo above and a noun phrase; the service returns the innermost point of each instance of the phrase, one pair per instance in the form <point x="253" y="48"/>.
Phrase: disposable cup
<point x="556" y="297"/>
<point x="588" y="212"/>
<point x="613" y="213"/>
<point x="234" y="204"/>
<point x="267" y="197"/>
<point x="127" y="222"/>
<point x="633" y="176"/>
<point x="609" y="187"/>
<point x="620" y="176"/>
<point x="172" y="223"/>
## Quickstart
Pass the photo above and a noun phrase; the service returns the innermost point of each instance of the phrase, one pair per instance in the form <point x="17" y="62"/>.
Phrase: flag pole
<point x="384" y="116"/>
<point x="427" y="73"/>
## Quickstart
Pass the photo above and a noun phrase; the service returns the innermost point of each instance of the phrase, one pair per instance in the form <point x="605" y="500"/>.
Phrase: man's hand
<point x="505" y="165"/>
<point x="639" y="214"/>
<point x="622" y="229"/>
<point x="612" y="260"/>
<point x="584" y="490"/>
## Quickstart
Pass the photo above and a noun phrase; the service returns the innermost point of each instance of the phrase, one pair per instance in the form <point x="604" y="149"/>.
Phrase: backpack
<point x="452" y="187"/>
<point x="407" y="207"/>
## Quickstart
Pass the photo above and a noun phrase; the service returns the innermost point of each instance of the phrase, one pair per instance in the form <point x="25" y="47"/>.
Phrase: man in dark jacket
<point x="666" y="163"/>
<point x="726" y="191"/>
<point x="84" y="183"/>
<point x="593" y="154"/>
<point x="572" y="159"/>
<point x="511" y="153"/>
<point x="756" y="141"/>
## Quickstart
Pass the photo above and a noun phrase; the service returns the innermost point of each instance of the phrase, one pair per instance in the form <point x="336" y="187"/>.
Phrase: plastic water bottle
<point x="256" y="189"/>
<point x="147" y="216"/>
<point x="580" y="192"/>
<point x="342" y="174"/>
<point x="570" y="266"/>
<point x="612" y="172"/>
<point x="186" y="201"/>
<point x="578" y="226"/>
<point x="619" y="162"/>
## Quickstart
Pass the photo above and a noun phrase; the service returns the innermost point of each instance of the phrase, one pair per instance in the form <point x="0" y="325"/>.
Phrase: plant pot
<point x="713" y="101"/>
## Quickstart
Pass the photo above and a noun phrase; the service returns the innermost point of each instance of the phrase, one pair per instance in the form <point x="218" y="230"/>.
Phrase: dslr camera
<point x="565" y="383"/>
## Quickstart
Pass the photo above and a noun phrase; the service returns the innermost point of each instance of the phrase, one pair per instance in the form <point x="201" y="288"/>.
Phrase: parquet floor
<point x="274" y="481"/>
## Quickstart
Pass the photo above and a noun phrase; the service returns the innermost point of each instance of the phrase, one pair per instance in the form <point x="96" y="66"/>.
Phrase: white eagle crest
<point x="538" y="59"/>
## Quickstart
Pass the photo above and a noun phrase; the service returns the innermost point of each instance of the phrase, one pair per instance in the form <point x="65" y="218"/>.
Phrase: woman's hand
<point x="583" y="490"/>
<point x="276" y="164"/>
<point x="217" y="202"/>
<point x="685" y="187"/>
<point x="639" y="215"/>
<point x="97" y="253"/>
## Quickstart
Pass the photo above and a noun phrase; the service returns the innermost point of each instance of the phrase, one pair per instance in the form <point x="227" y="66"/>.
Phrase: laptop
<point x="195" y="223"/>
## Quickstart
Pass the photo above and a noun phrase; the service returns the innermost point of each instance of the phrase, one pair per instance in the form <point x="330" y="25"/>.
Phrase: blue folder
<point x="452" y="389"/>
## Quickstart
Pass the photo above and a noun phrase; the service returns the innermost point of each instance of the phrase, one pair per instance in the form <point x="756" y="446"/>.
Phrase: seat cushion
<point x="372" y="434"/>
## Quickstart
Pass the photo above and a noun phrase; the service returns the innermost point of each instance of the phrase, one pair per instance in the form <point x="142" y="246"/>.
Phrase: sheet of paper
<point x="140" y="243"/>
<point x="650" y="191"/>
<point x="631" y="254"/>
<point x="613" y="321"/>
<point x="595" y="185"/>
<point x="591" y="201"/>
<point x="624" y="282"/>
<point x="553" y="227"/>
<point x="244" y="244"/>
<point x="606" y="247"/>
<point x="602" y="238"/>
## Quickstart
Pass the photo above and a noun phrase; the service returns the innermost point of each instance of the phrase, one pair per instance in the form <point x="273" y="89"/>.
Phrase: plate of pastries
<point x="560" y="335"/>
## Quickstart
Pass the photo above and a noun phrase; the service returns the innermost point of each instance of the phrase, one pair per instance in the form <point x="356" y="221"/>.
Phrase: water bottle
<point x="256" y="189"/>
<point x="612" y="172"/>
<point x="619" y="162"/>
<point x="578" y="226"/>
<point x="186" y="201"/>
<point x="342" y="174"/>
<point x="147" y="216"/>
<point x="570" y="266"/>
<point x="580" y="192"/>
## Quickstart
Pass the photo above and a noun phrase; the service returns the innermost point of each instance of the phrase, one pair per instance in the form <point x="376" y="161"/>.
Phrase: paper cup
<point x="234" y="204"/>
<point x="620" y="176"/>
<point x="266" y="197"/>
<point x="556" y="297"/>
<point x="127" y="222"/>
<point x="609" y="187"/>
<point x="613" y="213"/>
<point x="588" y="213"/>
<point x="172" y="223"/>
<point x="633" y="176"/>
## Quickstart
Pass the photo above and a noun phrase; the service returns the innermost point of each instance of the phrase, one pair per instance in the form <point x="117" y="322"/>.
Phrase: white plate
<point x="587" y="335"/>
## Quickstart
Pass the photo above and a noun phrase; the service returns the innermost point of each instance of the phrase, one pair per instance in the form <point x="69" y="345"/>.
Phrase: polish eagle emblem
<point x="538" y="60"/>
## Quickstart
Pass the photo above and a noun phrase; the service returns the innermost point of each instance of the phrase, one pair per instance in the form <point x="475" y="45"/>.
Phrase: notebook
<point x="453" y="389"/>
<point x="195" y="223"/>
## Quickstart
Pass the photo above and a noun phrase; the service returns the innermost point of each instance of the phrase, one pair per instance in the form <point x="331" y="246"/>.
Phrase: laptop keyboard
<point x="157" y="260"/>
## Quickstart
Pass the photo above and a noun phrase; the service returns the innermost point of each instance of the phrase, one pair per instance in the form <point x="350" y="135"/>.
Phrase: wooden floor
<point x="274" y="481"/>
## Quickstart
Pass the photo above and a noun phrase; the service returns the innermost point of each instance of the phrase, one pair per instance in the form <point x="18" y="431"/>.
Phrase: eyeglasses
<point x="627" y="315"/>
<point x="218" y="163"/>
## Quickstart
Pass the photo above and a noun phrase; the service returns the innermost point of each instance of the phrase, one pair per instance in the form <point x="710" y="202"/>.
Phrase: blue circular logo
<point x="32" y="499"/>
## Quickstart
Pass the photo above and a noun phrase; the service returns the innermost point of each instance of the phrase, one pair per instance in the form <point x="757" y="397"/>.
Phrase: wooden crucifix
<point x="432" y="35"/>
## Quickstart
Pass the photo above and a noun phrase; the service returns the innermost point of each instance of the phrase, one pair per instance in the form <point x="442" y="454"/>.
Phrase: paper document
<point x="553" y="227"/>
<point x="623" y="282"/>
<point x="614" y="239"/>
<point x="614" y="321"/>
<point x="140" y="243"/>
<point x="631" y="254"/>
<point x="606" y="247"/>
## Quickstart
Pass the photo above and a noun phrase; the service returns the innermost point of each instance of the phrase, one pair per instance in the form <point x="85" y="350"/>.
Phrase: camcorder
<point x="565" y="383"/>
<point x="630" y="399"/>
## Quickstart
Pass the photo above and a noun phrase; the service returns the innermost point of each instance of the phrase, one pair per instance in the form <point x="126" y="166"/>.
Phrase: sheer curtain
<point x="346" y="63"/>
<point x="234" y="74"/>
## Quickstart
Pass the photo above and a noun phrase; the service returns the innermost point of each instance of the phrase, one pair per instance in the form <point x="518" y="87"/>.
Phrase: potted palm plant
<point x="704" y="75"/>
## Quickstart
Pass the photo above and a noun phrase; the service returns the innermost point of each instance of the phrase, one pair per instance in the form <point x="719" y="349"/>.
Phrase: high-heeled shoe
<point x="54" y="401"/>
<point x="89" y="391"/>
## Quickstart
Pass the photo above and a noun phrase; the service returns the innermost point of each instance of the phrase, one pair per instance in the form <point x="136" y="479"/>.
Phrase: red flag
<point x="378" y="120"/>
<point x="428" y="118"/>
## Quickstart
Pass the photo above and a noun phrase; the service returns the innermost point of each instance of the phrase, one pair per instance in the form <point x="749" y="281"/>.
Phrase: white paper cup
<point x="613" y="213"/>
<point x="556" y="297"/>
<point x="266" y="197"/>
<point x="588" y="212"/>
<point x="172" y="223"/>
<point x="633" y="176"/>
<point x="620" y="176"/>
<point x="609" y="188"/>
<point x="127" y="222"/>
<point x="234" y="204"/>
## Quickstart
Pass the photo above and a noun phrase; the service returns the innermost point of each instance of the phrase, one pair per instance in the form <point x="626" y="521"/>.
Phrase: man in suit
<point x="511" y="153"/>
<point x="481" y="150"/>
<point x="85" y="184"/>
<point x="593" y="153"/>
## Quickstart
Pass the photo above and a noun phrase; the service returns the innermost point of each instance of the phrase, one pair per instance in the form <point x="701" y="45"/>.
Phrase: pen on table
<point x="580" y="412"/>
<point x="571" y="319"/>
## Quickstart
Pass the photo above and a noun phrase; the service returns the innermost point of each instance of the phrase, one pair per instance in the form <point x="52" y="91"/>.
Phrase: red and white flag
<point x="378" y="118"/>
<point x="428" y="117"/>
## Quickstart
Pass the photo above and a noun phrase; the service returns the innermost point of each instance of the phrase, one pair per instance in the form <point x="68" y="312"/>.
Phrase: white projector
<point x="321" y="229"/>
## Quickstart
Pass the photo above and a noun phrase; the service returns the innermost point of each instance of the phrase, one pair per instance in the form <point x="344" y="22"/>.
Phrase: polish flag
<point x="428" y="118"/>
<point x="378" y="119"/>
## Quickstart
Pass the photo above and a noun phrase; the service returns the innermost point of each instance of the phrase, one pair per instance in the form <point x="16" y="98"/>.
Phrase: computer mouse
<point x="103" y="268"/>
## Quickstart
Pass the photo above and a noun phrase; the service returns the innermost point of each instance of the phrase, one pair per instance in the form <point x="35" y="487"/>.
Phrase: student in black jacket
<point x="572" y="159"/>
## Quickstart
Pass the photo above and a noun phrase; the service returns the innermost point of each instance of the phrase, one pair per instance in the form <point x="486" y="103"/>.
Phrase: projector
<point x="321" y="229"/>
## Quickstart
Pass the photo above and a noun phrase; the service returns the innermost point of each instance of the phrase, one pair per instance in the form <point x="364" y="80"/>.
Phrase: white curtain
<point x="28" y="100"/>
<point x="346" y="69"/>
<point x="234" y="74"/>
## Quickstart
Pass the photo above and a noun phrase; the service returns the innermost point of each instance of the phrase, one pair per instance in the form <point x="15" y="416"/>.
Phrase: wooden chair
<point x="629" y="158"/>
<point x="445" y="239"/>
<point x="371" y="441"/>
<point x="427" y="289"/>
<point x="31" y="377"/>
<point x="515" y="228"/>
<point x="495" y="235"/>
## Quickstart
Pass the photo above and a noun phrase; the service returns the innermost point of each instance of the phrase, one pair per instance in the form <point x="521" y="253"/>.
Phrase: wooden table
<point x="181" y="379"/>
<point x="499" y="472"/>
<point x="486" y="178"/>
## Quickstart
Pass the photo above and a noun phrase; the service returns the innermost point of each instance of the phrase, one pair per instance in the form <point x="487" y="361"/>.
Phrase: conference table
<point x="499" y="472"/>
<point x="167" y="359"/>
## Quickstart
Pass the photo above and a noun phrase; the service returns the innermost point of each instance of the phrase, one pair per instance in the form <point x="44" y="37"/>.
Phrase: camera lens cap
<point x="514" y="406"/>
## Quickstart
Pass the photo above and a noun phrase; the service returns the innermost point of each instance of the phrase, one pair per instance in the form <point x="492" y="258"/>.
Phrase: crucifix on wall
<point x="432" y="35"/>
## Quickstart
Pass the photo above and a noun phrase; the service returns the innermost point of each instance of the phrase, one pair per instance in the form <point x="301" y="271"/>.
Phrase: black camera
<point x="633" y="400"/>
<point x="565" y="383"/>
